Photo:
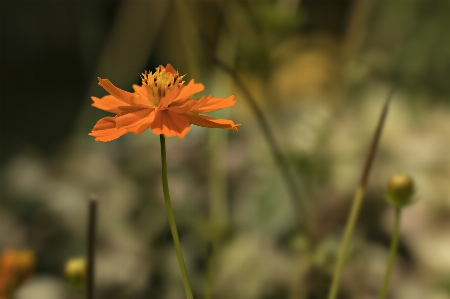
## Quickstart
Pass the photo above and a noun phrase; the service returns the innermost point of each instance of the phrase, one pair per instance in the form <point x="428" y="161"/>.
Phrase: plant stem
<point x="350" y="226"/>
<point x="92" y="221"/>
<point x="359" y="195"/>
<point x="173" y="226"/>
<point x="295" y="187"/>
<point x="392" y="254"/>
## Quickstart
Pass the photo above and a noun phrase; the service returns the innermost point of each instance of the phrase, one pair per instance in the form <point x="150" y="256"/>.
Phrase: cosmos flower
<point x="16" y="266"/>
<point x="162" y="103"/>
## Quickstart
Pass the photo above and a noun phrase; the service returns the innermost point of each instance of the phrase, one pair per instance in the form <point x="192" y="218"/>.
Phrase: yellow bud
<point x="400" y="190"/>
<point x="75" y="272"/>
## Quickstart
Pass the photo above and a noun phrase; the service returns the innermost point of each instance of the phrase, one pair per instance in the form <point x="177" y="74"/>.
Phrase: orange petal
<point x="169" y="97"/>
<point x="118" y="93"/>
<point x="109" y="103"/>
<point x="170" y="124"/>
<point x="141" y="97"/>
<point x="188" y="90"/>
<point x="209" y="122"/>
<point x="181" y="107"/>
<point x="210" y="104"/>
<point x="139" y="89"/>
<point x="105" y="130"/>
<point x="144" y="124"/>
<point x="169" y="69"/>
<point x="135" y="121"/>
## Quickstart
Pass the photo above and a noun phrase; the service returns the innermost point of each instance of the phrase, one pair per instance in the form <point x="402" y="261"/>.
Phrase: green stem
<point x="357" y="201"/>
<point x="392" y="254"/>
<point x="349" y="228"/>
<point x="173" y="226"/>
<point x="92" y="223"/>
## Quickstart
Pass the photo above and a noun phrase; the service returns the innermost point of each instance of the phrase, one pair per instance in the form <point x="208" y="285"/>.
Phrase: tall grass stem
<point x="357" y="201"/>
<point x="349" y="228"/>
<point x="294" y="186"/>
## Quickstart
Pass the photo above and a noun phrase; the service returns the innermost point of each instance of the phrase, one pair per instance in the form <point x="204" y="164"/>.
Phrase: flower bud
<point x="75" y="272"/>
<point x="400" y="190"/>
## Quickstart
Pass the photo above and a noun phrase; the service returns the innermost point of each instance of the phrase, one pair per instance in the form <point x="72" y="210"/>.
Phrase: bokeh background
<point x="318" y="70"/>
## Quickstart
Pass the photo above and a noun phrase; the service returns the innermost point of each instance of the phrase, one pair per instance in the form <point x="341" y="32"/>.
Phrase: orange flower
<point x="15" y="267"/>
<point x="162" y="103"/>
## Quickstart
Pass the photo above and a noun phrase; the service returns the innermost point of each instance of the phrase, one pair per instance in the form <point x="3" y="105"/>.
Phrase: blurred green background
<point x="319" y="71"/>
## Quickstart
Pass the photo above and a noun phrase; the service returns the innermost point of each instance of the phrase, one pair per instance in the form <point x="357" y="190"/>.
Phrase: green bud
<point x="400" y="190"/>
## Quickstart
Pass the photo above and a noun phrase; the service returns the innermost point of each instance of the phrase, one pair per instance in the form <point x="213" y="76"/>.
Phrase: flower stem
<point x="92" y="223"/>
<point x="392" y="254"/>
<point x="349" y="228"/>
<point x="173" y="226"/>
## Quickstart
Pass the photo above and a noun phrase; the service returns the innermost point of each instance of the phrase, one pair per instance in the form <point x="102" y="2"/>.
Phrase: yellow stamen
<point x="159" y="82"/>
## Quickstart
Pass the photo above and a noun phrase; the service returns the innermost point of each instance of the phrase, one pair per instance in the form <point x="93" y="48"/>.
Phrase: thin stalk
<point x="357" y="200"/>
<point x="349" y="228"/>
<point x="173" y="226"/>
<point x="392" y="254"/>
<point x="295" y="187"/>
<point x="92" y="223"/>
<point x="297" y="195"/>
<point x="296" y="192"/>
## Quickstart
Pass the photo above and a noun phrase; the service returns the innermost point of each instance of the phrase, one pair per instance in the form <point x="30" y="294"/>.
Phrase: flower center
<point x="159" y="82"/>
